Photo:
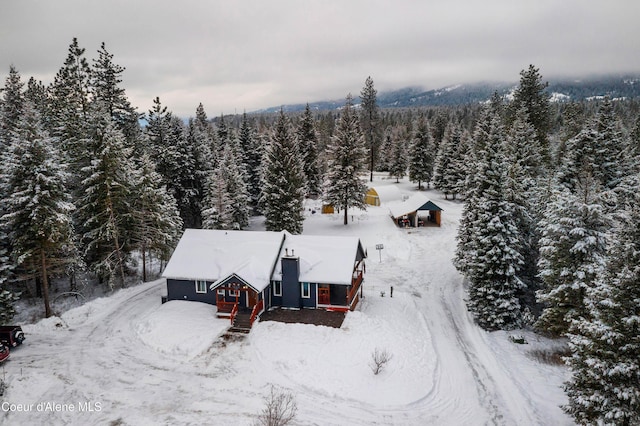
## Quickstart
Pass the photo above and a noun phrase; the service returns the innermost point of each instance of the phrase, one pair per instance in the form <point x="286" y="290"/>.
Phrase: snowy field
<point x="127" y="359"/>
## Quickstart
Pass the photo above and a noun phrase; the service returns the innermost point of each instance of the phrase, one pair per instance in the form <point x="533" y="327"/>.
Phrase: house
<point x="382" y="194"/>
<point x="248" y="272"/>
<point x="408" y="213"/>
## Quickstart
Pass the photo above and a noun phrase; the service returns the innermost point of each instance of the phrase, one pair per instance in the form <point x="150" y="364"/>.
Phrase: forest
<point x="92" y="191"/>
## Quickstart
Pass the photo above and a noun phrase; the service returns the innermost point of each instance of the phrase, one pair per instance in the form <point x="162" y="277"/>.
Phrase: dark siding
<point x="186" y="290"/>
<point x="290" y="283"/>
<point x="311" y="301"/>
<point x="275" y="300"/>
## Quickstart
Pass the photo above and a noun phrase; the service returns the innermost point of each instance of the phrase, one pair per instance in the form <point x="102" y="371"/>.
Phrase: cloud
<point x="233" y="56"/>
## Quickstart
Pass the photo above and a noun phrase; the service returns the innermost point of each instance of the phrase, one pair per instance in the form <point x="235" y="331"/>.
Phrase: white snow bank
<point x="181" y="328"/>
<point x="336" y="362"/>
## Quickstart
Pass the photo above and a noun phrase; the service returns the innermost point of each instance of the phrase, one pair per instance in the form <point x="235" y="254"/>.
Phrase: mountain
<point x="560" y="90"/>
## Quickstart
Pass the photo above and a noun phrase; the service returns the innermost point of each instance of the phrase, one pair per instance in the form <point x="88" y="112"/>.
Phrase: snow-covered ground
<point x="127" y="359"/>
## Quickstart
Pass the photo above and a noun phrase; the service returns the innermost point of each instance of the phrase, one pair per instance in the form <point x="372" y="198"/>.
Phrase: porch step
<point x="241" y="323"/>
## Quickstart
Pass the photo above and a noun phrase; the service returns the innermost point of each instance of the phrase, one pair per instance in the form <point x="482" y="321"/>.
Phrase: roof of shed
<point x="412" y="204"/>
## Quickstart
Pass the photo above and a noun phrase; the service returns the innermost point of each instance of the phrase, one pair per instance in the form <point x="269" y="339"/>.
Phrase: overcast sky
<point x="245" y="55"/>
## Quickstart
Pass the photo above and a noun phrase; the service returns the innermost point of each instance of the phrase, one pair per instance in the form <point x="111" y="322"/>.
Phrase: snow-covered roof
<point x="215" y="255"/>
<point x="410" y="205"/>
<point x="387" y="193"/>
<point x="323" y="259"/>
<point x="211" y="255"/>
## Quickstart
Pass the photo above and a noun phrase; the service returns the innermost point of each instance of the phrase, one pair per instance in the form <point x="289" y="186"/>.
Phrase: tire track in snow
<point x="444" y="298"/>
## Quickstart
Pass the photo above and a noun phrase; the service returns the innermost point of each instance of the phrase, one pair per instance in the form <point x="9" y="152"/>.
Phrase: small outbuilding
<point x="382" y="194"/>
<point x="417" y="210"/>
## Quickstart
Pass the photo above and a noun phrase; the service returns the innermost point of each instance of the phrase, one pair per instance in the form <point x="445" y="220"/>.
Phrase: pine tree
<point x="106" y="77"/>
<point x="217" y="212"/>
<point x="235" y="180"/>
<point x="252" y="157"/>
<point x="11" y="110"/>
<point x="157" y="221"/>
<point x="369" y="122"/>
<point x="308" y="145"/>
<point x="69" y="109"/>
<point x="609" y="147"/>
<point x="421" y="154"/>
<point x="283" y="180"/>
<point x="106" y="208"/>
<point x="488" y="248"/>
<point x="178" y="166"/>
<point x="39" y="208"/>
<point x="343" y="186"/>
<point x="12" y="106"/>
<point x="572" y="250"/>
<point x="530" y="95"/>
<point x="605" y="383"/>
<point x="446" y="177"/>
<point x="399" y="157"/>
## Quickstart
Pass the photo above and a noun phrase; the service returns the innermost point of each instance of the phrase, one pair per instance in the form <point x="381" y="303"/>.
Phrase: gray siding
<point x="186" y="290"/>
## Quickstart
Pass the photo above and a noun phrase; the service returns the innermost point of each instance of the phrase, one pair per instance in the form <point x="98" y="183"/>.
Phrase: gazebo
<point x="408" y="213"/>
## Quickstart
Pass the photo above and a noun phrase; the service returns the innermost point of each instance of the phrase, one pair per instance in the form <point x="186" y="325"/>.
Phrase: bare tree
<point x="280" y="408"/>
<point x="379" y="359"/>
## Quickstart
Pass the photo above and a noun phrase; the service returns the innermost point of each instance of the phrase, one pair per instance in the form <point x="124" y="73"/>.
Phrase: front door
<point x="324" y="295"/>
<point x="252" y="298"/>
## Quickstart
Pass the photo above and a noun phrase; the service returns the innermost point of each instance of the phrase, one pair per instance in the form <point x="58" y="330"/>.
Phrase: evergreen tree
<point x="12" y="106"/>
<point x="446" y="177"/>
<point x="236" y="186"/>
<point x="343" y="186"/>
<point x="69" y="109"/>
<point x="37" y="94"/>
<point x="202" y="143"/>
<point x="177" y="164"/>
<point x="106" y="208"/>
<point x="462" y="164"/>
<point x="488" y="249"/>
<point x="106" y="77"/>
<point x="525" y="166"/>
<point x="252" y="158"/>
<point x="217" y="212"/>
<point x="157" y="221"/>
<point x="308" y="145"/>
<point x="530" y="95"/>
<point x="421" y="154"/>
<point x="11" y="110"/>
<point x="38" y="209"/>
<point x="370" y="119"/>
<point x="7" y="302"/>
<point x="399" y="157"/>
<point x="609" y="147"/>
<point x="572" y="250"/>
<point x="283" y="180"/>
<point x="605" y="383"/>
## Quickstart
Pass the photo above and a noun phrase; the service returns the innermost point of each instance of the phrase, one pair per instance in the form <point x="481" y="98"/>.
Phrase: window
<point x="201" y="286"/>
<point x="221" y="292"/>
<point x="234" y="293"/>
<point x="306" y="293"/>
<point x="277" y="288"/>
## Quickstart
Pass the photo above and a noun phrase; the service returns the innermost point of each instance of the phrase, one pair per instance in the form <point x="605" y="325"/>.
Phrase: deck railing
<point x="355" y="286"/>
<point x="225" y="307"/>
<point x="257" y="308"/>
<point x="234" y="312"/>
